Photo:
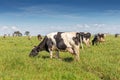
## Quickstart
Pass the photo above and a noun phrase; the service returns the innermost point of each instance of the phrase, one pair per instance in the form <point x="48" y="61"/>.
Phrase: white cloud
<point x="86" y="25"/>
<point x="82" y="26"/>
<point x="8" y="29"/>
<point x="79" y="26"/>
<point x="43" y="30"/>
<point x="45" y="10"/>
<point x="112" y="12"/>
<point x="14" y="28"/>
<point x="4" y="28"/>
<point x="98" y="25"/>
<point x="34" y="10"/>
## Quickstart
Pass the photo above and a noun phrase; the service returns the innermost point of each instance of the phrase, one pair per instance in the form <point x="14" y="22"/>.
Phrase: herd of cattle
<point x="65" y="41"/>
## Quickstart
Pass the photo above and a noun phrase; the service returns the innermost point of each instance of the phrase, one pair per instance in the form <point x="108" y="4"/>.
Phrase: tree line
<point x="18" y="33"/>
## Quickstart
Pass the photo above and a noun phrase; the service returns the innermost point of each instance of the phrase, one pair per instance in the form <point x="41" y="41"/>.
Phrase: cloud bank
<point x="8" y="29"/>
<point x="92" y="28"/>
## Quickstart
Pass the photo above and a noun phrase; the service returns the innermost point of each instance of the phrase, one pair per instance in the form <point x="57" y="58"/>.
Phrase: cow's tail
<point x="81" y="42"/>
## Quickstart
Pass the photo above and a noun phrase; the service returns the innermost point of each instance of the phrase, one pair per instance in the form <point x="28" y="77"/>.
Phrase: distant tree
<point x="17" y="33"/>
<point x="27" y="33"/>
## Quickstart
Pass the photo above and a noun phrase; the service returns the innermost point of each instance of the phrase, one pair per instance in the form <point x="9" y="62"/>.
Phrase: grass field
<point x="101" y="62"/>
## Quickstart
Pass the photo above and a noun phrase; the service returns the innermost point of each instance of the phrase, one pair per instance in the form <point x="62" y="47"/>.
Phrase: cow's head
<point x="101" y="37"/>
<point x="33" y="52"/>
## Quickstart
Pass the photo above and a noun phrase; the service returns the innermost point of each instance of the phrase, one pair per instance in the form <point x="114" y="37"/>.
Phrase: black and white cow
<point x="68" y="41"/>
<point x="86" y="37"/>
<point x="98" y="38"/>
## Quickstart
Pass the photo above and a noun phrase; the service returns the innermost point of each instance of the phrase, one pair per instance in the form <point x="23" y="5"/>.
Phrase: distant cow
<point x="5" y="35"/>
<point x="116" y="35"/>
<point x="39" y="37"/>
<point x="67" y="41"/>
<point x="29" y="37"/>
<point x="86" y="37"/>
<point x="98" y="38"/>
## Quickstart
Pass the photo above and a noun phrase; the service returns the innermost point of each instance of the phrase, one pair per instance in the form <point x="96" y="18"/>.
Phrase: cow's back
<point x="69" y="38"/>
<point x="62" y="40"/>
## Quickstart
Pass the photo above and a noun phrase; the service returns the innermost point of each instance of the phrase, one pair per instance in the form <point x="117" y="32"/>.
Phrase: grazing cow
<point x="66" y="41"/>
<point x="29" y="37"/>
<point x="39" y="37"/>
<point x="98" y="38"/>
<point x="116" y="35"/>
<point x="86" y="37"/>
<point x="5" y="35"/>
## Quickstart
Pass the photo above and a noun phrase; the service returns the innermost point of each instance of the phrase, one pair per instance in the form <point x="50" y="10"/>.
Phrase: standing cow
<point x="39" y="37"/>
<point x="98" y="38"/>
<point x="29" y="37"/>
<point x="68" y="41"/>
<point x="5" y="35"/>
<point x="86" y="37"/>
<point x="116" y="35"/>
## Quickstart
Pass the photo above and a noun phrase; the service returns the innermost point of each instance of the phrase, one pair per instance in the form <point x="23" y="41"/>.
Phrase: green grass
<point x="96" y="62"/>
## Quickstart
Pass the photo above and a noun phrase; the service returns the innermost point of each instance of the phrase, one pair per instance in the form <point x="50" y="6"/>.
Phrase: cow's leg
<point x="88" y="42"/>
<point x="69" y="49"/>
<point x="51" y="54"/>
<point x="85" y="41"/>
<point x="93" y="42"/>
<point x="49" y="46"/>
<point x="76" y="51"/>
<point x="81" y="45"/>
<point x="57" y="53"/>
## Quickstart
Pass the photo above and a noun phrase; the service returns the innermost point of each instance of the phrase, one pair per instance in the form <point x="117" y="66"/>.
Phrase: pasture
<point x="101" y="62"/>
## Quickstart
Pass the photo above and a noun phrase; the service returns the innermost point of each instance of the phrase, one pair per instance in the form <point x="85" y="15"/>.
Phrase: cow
<point x="116" y="35"/>
<point x="29" y="37"/>
<point x="5" y="35"/>
<point x="98" y="38"/>
<point x="86" y="37"/>
<point x="39" y="37"/>
<point x="58" y="41"/>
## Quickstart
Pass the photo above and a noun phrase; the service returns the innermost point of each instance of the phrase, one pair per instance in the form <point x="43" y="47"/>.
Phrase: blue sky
<point x="45" y="16"/>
